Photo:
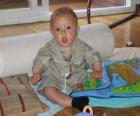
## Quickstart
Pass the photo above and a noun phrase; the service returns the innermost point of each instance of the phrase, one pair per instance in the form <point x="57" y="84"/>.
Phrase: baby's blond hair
<point x="61" y="12"/>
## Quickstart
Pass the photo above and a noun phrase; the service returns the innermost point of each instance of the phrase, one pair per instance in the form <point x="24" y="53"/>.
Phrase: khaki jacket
<point x="65" y="74"/>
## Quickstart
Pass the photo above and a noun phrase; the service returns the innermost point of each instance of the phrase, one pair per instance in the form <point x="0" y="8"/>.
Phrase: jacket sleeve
<point x="41" y="58"/>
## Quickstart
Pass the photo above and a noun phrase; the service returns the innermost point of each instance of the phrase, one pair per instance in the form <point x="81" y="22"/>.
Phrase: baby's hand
<point x="97" y="74"/>
<point x="37" y="75"/>
<point x="97" y="70"/>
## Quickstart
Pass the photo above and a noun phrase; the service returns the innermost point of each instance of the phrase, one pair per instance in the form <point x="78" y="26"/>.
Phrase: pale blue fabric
<point x="115" y="102"/>
<point x="84" y="114"/>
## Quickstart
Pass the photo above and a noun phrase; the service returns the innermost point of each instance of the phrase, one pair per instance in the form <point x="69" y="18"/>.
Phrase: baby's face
<point x="64" y="30"/>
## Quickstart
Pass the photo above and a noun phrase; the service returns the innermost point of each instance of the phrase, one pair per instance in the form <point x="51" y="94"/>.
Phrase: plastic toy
<point x="84" y="113"/>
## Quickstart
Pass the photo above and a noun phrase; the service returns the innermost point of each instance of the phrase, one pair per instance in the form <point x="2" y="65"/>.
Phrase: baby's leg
<point x="54" y="95"/>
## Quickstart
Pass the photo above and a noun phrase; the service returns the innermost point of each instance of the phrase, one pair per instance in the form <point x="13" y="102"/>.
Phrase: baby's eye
<point x="68" y="27"/>
<point x="57" y="29"/>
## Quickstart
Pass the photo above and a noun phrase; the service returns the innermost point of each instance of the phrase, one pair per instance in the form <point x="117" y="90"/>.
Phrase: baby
<point x="61" y="63"/>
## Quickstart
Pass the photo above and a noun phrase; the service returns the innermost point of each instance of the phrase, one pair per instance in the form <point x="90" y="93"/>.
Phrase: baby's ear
<point x="51" y="30"/>
<point x="77" y="30"/>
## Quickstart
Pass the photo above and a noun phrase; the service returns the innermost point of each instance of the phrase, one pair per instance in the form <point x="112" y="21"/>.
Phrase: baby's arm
<point x="97" y="66"/>
<point x="38" y="65"/>
<point x="37" y="75"/>
<point x="94" y="62"/>
<point x="97" y="69"/>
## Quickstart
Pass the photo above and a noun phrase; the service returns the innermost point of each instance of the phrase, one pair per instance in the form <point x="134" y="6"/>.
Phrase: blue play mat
<point x="113" y="90"/>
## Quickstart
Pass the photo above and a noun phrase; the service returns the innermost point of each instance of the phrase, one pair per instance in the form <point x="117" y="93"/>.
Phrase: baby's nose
<point x="63" y="32"/>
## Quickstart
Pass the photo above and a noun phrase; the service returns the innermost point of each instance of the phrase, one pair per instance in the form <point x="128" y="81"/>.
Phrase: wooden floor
<point x="75" y="4"/>
<point x="128" y="31"/>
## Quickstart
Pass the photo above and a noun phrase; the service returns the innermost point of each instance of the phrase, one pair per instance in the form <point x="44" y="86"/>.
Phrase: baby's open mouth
<point x="64" y="40"/>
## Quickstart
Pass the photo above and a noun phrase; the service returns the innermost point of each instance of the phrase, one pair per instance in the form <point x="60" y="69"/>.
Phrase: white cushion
<point x="17" y="53"/>
<point x="100" y="37"/>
